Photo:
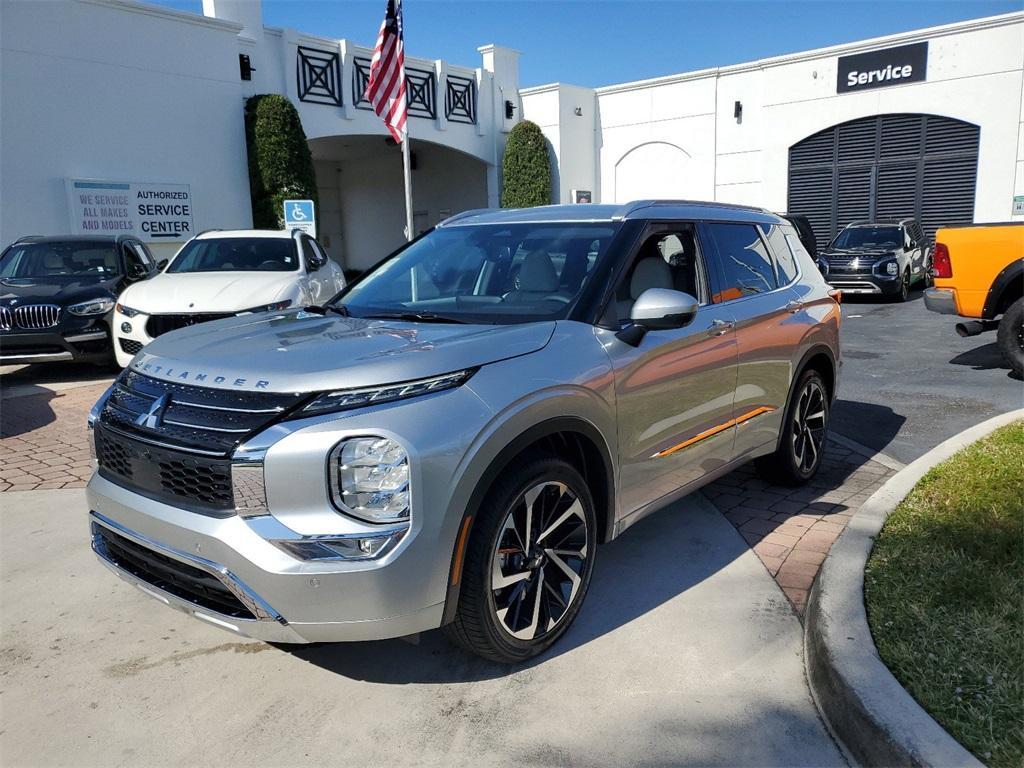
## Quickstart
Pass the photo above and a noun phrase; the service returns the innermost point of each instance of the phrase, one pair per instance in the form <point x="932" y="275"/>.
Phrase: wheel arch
<point x="570" y="437"/>
<point x="1007" y="287"/>
<point x="821" y="358"/>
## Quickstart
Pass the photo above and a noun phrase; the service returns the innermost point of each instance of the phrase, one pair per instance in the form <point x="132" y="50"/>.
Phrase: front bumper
<point x="289" y="600"/>
<point x="866" y="283"/>
<point x="941" y="300"/>
<point x="86" y="341"/>
<point x="129" y="343"/>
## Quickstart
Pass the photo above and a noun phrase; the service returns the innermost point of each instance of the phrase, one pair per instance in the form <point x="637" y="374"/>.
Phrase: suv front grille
<point x="33" y="317"/>
<point x="171" y="575"/>
<point x="198" y="483"/>
<point x="6" y="321"/>
<point x="197" y="419"/>
<point x="161" y="324"/>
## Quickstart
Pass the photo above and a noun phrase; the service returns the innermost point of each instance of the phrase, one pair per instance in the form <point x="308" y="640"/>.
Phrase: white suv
<point x="220" y="274"/>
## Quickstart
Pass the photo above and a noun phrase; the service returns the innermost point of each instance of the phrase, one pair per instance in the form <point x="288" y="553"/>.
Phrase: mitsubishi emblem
<point x="154" y="416"/>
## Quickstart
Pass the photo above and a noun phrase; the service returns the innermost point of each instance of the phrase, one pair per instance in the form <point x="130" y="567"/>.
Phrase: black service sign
<point x="880" y="69"/>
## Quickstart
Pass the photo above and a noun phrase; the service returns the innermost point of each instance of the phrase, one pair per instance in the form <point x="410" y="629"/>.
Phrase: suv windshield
<point x="485" y="273"/>
<point x="869" y="237"/>
<point x="237" y="254"/>
<point x="60" y="259"/>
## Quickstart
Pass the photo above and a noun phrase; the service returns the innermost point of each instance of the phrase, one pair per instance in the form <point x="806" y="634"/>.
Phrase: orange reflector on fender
<point x="836" y="294"/>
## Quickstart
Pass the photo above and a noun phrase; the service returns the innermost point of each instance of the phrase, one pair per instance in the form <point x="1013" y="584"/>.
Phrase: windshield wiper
<point x="415" y="317"/>
<point x="323" y="309"/>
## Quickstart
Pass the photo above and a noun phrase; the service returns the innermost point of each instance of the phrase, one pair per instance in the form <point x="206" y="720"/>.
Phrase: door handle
<point x="794" y="306"/>
<point x="720" y="327"/>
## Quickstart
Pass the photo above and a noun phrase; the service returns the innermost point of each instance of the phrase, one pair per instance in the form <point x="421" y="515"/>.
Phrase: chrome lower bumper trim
<point x="40" y="358"/>
<point x="93" y="336"/>
<point x="269" y="624"/>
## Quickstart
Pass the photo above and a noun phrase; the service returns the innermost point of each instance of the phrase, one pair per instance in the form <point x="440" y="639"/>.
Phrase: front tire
<point x="903" y="289"/>
<point x="528" y="562"/>
<point x="1010" y="336"/>
<point x="804" y="432"/>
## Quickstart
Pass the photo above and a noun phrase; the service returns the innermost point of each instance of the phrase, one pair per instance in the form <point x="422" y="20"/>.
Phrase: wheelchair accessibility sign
<point x="299" y="214"/>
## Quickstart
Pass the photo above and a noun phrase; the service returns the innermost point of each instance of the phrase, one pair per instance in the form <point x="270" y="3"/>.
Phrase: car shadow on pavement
<point x="658" y="559"/>
<point x="20" y="415"/>
<point x="870" y="424"/>
<point x="987" y="357"/>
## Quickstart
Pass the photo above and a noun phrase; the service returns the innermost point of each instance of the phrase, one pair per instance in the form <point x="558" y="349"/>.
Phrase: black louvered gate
<point x="885" y="167"/>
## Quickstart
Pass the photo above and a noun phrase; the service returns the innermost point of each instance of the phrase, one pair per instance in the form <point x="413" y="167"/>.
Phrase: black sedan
<point x="57" y="294"/>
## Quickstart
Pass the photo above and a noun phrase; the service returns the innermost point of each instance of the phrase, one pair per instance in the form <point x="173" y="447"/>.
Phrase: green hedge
<point x="526" y="168"/>
<point x="280" y="163"/>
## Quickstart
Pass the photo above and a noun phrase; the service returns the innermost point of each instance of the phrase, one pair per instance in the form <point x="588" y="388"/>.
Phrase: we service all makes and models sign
<point x="150" y="212"/>
<point x="880" y="69"/>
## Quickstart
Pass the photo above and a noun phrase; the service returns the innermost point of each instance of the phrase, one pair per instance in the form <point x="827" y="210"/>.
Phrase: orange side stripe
<point x="460" y="551"/>
<point x="714" y="431"/>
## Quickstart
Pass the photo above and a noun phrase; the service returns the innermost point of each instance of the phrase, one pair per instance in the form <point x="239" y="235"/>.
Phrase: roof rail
<point x="627" y="209"/>
<point x="464" y="214"/>
<point x="25" y="238"/>
<point x="212" y="229"/>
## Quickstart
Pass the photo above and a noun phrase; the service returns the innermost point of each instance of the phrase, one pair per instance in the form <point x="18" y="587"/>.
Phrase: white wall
<point x="677" y="136"/>
<point x="117" y="91"/>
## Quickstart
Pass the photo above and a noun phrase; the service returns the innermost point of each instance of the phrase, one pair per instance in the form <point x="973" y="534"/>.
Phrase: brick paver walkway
<point x="792" y="529"/>
<point x="42" y="439"/>
<point x="42" y="445"/>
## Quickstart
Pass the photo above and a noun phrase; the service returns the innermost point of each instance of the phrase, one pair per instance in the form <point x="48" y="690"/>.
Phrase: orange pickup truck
<point x="979" y="275"/>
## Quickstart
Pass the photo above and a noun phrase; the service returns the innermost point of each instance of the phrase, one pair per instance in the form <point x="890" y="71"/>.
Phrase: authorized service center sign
<point x="150" y="212"/>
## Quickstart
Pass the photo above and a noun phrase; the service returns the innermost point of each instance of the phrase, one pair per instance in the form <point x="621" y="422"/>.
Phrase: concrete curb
<point x="865" y="707"/>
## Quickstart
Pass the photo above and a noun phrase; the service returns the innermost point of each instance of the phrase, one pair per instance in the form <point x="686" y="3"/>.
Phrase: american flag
<point x="386" y="87"/>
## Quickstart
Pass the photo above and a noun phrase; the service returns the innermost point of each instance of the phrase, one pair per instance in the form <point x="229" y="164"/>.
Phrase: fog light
<point x="369" y="479"/>
<point x="126" y="327"/>
<point x="341" y="547"/>
<point x="892" y="268"/>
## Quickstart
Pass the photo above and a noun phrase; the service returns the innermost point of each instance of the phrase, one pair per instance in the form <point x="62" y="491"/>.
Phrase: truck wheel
<point x="804" y="432"/>
<point x="1010" y="336"/>
<point x="528" y="562"/>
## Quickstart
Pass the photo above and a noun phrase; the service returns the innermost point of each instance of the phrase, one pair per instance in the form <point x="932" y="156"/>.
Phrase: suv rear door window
<point x="785" y="262"/>
<point x="746" y="266"/>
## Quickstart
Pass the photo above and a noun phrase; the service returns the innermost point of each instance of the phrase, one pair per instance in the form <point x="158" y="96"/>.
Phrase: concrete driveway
<point x="686" y="653"/>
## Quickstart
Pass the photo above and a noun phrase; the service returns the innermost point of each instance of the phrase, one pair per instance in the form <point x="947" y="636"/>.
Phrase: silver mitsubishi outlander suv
<point x="448" y="441"/>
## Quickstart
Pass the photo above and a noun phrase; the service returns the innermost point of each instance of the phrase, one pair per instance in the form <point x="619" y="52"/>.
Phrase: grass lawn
<point x="945" y="595"/>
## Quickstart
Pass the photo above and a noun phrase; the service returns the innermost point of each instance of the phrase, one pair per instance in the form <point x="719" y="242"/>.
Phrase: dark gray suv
<point x="880" y="257"/>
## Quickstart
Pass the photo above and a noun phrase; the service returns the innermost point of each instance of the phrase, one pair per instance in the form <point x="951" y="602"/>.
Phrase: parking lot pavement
<point x="792" y="529"/>
<point x="909" y="382"/>
<point x="42" y="438"/>
<point x="656" y="670"/>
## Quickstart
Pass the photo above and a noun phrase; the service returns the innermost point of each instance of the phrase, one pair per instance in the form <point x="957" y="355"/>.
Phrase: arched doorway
<point x="883" y="167"/>
<point x="650" y="171"/>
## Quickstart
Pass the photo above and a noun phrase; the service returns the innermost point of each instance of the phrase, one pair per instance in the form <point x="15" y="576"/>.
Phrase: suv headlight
<point x="892" y="268"/>
<point x="346" y="399"/>
<point x="98" y="306"/>
<point x="369" y="478"/>
<point x="127" y="311"/>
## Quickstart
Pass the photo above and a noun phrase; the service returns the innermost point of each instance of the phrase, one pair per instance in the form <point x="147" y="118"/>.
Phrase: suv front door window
<point x="658" y="418"/>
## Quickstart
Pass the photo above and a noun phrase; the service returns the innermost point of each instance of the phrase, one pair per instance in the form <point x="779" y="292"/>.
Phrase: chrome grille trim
<point x="33" y="317"/>
<point x="6" y="321"/>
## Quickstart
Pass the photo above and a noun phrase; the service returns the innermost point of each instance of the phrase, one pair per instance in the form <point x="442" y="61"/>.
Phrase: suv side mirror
<point x="659" y="309"/>
<point x="161" y="265"/>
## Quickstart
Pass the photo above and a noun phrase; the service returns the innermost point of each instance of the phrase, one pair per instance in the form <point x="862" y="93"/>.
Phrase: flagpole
<point x="407" y="173"/>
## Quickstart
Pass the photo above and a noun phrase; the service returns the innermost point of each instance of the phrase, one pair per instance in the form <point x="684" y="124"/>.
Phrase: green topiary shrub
<point x="526" y="168"/>
<point x="280" y="163"/>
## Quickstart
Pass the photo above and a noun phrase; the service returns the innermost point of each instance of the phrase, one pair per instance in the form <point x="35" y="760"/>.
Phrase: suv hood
<point x="56" y="290"/>
<point x="169" y="293"/>
<point x="300" y="352"/>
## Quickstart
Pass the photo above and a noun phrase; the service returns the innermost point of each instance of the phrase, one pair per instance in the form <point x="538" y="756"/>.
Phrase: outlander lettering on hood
<point x="196" y="377"/>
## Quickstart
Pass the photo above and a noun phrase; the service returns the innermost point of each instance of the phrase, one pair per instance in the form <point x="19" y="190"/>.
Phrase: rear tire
<point x="804" y="432"/>
<point x="1010" y="336"/>
<point x="528" y="562"/>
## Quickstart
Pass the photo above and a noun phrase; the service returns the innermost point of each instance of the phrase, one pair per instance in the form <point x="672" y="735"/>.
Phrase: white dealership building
<point x="121" y="116"/>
